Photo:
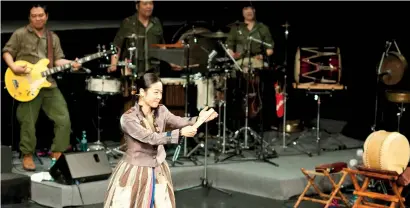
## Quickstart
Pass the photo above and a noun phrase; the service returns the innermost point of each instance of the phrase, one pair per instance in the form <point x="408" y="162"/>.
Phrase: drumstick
<point x="201" y="120"/>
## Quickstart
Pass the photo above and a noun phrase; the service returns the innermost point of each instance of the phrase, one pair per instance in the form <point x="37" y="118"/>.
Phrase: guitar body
<point x="26" y="87"/>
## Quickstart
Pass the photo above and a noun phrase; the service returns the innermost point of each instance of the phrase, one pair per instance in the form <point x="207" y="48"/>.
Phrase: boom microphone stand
<point x="204" y="180"/>
<point x="284" y="91"/>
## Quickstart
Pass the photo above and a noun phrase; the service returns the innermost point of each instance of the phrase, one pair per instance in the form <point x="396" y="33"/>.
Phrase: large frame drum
<point x="386" y="151"/>
<point x="318" y="65"/>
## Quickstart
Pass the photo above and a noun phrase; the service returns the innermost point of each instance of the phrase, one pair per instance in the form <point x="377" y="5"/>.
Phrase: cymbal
<point x="398" y="96"/>
<point x="394" y="65"/>
<point x="236" y="23"/>
<point x="194" y="32"/>
<point x="218" y="34"/>
<point x="174" y="45"/>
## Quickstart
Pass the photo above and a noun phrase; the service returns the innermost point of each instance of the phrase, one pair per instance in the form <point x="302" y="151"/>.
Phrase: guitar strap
<point x="50" y="51"/>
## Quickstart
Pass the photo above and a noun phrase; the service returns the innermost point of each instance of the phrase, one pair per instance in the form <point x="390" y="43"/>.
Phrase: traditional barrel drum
<point x="386" y="151"/>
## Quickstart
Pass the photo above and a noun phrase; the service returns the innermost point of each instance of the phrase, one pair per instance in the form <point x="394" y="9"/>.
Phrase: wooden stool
<point x="335" y="187"/>
<point x="363" y="191"/>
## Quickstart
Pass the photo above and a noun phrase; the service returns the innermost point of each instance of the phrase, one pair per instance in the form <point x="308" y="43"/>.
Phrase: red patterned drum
<point x="318" y="65"/>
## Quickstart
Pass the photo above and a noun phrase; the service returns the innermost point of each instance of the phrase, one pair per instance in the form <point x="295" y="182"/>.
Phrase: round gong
<point x="396" y="64"/>
<point x="386" y="151"/>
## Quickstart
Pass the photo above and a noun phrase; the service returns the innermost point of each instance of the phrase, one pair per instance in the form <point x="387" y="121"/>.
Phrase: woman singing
<point x="142" y="178"/>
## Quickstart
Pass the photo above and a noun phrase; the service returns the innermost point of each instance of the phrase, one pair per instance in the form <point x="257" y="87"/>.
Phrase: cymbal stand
<point x="223" y="103"/>
<point x="402" y="109"/>
<point x="98" y="145"/>
<point x="184" y="140"/>
<point x="204" y="180"/>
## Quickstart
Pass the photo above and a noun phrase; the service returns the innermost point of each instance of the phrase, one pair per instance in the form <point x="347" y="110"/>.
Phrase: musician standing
<point x="140" y="31"/>
<point x="30" y="43"/>
<point x="238" y="44"/>
<point x="237" y="40"/>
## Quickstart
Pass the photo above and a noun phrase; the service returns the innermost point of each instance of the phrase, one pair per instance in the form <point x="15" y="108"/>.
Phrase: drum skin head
<point x="386" y="151"/>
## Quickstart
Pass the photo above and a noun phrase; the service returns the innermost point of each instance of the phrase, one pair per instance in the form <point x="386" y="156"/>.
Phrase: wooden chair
<point x="362" y="192"/>
<point x="326" y="198"/>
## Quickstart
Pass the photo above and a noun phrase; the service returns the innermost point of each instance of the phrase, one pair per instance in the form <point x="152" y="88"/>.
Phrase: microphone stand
<point x="285" y="97"/>
<point x="204" y="180"/>
<point x="284" y="91"/>
<point x="262" y="156"/>
<point x="187" y="114"/>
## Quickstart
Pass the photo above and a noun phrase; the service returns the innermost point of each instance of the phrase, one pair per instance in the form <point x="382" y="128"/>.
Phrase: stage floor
<point x="248" y="177"/>
<point x="199" y="198"/>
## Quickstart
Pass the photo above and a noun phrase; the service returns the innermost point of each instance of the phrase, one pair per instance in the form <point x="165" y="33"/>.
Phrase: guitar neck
<point x="67" y="66"/>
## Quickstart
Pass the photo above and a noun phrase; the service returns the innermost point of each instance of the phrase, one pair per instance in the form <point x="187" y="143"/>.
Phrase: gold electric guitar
<point x="25" y="87"/>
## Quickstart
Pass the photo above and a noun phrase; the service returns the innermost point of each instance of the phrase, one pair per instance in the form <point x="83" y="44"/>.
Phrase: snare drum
<point x="103" y="85"/>
<point x="319" y="65"/>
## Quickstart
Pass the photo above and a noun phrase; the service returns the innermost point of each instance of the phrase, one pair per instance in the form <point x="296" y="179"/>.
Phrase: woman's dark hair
<point x="146" y="81"/>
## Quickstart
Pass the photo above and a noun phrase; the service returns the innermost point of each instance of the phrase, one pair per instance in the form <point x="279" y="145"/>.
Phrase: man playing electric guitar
<point x="32" y="43"/>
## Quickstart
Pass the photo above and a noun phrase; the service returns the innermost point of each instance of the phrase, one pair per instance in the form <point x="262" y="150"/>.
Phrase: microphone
<point x="87" y="70"/>
<point x="212" y="55"/>
<point x="259" y="41"/>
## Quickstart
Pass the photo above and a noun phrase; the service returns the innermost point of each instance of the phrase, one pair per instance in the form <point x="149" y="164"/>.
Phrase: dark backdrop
<point x="360" y="29"/>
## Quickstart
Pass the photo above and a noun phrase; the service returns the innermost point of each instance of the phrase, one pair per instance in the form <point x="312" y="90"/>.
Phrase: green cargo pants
<point x="55" y="107"/>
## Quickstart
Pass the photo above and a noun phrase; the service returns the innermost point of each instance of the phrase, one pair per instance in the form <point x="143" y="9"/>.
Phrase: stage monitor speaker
<point x="6" y="159"/>
<point x="72" y="168"/>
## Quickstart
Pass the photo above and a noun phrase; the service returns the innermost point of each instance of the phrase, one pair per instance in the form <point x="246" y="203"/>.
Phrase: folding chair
<point x="363" y="191"/>
<point x="326" y="198"/>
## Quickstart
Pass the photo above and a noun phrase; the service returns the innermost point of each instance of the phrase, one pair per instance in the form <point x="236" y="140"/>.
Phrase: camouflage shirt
<point x="24" y="44"/>
<point x="238" y="38"/>
<point x="144" y="37"/>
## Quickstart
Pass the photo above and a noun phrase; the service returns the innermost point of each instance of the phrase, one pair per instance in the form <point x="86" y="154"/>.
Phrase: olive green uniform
<point x="145" y="36"/>
<point x="25" y="44"/>
<point x="238" y="41"/>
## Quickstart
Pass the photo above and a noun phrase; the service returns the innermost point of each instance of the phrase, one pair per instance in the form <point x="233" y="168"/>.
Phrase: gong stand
<point x="389" y="76"/>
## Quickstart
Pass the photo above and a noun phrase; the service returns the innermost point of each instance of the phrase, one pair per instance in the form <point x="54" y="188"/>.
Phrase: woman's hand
<point x="211" y="117"/>
<point x="188" y="131"/>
